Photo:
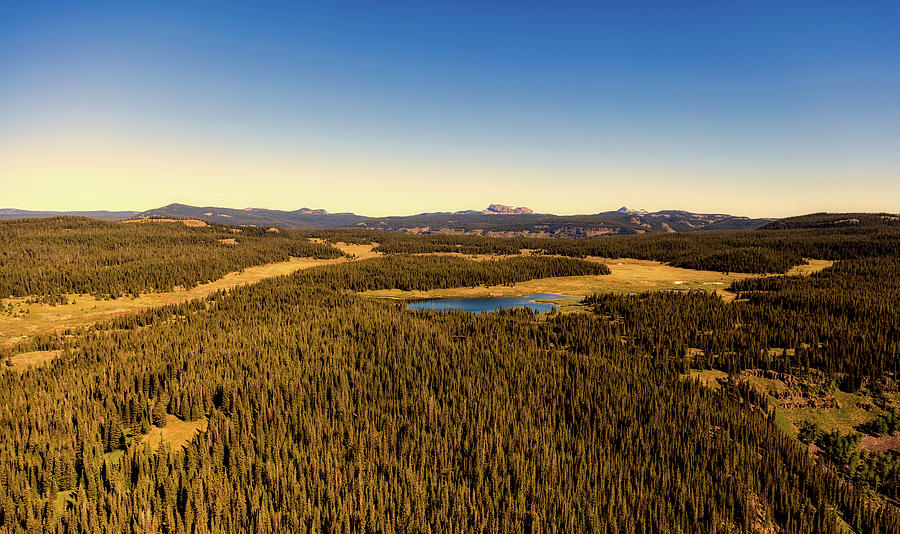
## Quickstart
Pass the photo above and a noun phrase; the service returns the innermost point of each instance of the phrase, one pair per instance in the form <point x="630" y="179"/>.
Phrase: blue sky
<point x="395" y="108"/>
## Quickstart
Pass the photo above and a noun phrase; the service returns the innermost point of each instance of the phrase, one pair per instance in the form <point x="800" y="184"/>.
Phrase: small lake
<point x="489" y="304"/>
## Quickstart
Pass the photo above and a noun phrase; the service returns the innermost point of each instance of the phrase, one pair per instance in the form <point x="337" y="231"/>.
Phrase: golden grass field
<point x="31" y="319"/>
<point x="360" y="252"/>
<point x="811" y="267"/>
<point x="478" y="257"/>
<point x="22" y="361"/>
<point x="627" y="276"/>
<point x="707" y="377"/>
<point x="194" y="223"/>
<point x="829" y="407"/>
<point x="176" y="433"/>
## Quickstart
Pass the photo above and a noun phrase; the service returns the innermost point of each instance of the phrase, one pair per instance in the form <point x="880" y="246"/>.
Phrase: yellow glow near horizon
<point x="55" y="171"/>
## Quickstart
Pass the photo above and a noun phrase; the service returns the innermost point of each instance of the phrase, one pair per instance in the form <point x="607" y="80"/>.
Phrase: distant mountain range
<point x="12" y="213"/>
<point x="302" y="218"/>
<point x="500" y="209"/>
<point x="834" y="220"/>
<point x="495" y="220"/>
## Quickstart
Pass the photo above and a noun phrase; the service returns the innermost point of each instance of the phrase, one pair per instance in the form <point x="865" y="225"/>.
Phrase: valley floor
<point x="627" y="276"/>
<point x="29" y="318"/>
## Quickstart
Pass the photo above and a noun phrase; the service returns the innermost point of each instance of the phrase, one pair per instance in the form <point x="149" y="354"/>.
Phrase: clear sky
<point x="751" y="108"/>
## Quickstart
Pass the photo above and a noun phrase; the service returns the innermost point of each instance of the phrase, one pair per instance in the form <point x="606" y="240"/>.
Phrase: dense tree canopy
<point x="328" y="411"/>
<point x="59" y="255"/>
<point x="433" y="272"/>
<point x="761" y="251"/>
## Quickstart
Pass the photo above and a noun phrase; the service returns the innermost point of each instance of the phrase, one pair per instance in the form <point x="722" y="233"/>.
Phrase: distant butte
<point x="500" y="209"/>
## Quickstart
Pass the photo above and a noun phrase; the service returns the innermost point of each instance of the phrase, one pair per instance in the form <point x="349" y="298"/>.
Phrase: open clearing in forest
<point x="627" y="276"/>
<point x="35" y="318"/>
<point x="811" y="399"/>
<point x="23" y="361"/>
<point x="707" y="377"/>
<point x="811" y="266"/>
<point x="358" y="251"/>
<point x="31" y="319"/>
<point x="193" y="223"/>
<point x="480" y="257"/>
<point x="176" y="433"/>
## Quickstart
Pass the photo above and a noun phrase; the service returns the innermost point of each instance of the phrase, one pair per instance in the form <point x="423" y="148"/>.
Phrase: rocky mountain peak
<point x="626" y="211"/>
<point x="501" y="209"/>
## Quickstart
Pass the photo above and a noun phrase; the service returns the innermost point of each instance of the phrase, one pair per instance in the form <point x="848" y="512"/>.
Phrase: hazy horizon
<point x="762" y="111"/>
<point x="364" y="214"/>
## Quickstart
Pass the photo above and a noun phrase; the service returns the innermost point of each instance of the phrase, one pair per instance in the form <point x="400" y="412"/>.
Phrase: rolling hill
<point x="834" y="220"/>
<point x="496" y="220"/>
<point x="12" y="213"/>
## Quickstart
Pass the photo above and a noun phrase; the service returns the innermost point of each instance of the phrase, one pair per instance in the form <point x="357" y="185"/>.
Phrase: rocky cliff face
<point x="625" y="211"/>
<point x="500" y="209"/>
<point x="497" y="218"/>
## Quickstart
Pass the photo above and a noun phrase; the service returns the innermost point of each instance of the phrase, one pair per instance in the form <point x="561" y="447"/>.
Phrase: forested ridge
<point x="330" y="412"/>
<point x="61" y="255"/>
<point x="769" y="251"/>
<point x="833" y="220"/>
<point x="49" y="258"/>
<point x="843" y="320"/>
<point x="401" y="271"/>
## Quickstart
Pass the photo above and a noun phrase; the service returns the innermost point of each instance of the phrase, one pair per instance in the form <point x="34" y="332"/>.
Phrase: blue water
<point x="490" y="304"/>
